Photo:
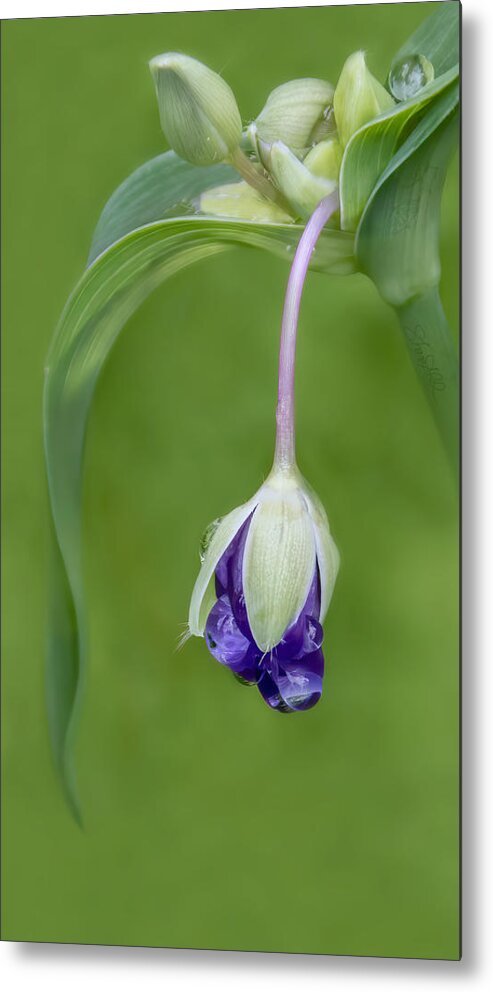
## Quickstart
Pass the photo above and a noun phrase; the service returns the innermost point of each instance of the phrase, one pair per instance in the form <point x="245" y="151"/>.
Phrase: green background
<point x="210" y="820"/>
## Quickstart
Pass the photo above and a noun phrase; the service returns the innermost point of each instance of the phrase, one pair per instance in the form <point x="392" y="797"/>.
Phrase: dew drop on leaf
<point x="409" y="75"/>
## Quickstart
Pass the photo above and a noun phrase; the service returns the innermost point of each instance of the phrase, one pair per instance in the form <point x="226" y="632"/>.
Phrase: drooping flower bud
<point x="197" y="109"/>
<point x="269" y="567"/>
<point x="264" y="588"/>
<point x="242" y="201"/>
<point x="358" y="97"/>
<point x="298" y="113"/>
<point x="325" y="159"/>
<point x="303" y="190"/>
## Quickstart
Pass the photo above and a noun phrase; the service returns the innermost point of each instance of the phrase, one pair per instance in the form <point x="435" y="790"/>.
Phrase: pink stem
<point x="285" y="436"/>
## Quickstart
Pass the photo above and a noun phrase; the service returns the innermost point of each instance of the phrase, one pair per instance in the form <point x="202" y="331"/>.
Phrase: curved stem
<point x="285" y="435"/>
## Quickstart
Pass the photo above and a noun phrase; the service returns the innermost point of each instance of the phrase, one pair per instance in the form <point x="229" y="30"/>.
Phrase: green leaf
<point x="166" y="186"/>
<point x="437" y="38"/>
<point x="397" y="238"/>
<point x="397" y="245"/>
<point x="63" y="674"/>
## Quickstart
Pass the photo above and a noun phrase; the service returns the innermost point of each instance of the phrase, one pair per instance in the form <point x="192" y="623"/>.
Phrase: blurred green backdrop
<point x="211" y="821"/>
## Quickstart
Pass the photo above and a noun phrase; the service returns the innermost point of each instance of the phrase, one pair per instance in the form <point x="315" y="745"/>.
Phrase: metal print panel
<point x="231" y="292"/>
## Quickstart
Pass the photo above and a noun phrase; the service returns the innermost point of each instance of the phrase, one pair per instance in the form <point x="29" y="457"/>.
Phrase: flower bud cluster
<point x="198" y="110"/>
<point x="296" y="143"/>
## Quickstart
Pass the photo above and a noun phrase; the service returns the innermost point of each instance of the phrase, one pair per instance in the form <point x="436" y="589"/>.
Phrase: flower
<point x="267" y="577"/>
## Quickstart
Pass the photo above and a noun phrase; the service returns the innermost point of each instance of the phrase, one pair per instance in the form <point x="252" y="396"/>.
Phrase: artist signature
<point x="425" y="358"/>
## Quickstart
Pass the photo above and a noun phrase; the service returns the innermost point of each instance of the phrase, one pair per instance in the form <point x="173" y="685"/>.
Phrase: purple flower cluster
<point x="289" y="676"/>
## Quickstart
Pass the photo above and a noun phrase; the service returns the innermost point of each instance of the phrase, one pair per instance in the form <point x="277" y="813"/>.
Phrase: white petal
<point x="278" y="564"/>
<point x="327" y="554"/>
<point x="223" y="536"/>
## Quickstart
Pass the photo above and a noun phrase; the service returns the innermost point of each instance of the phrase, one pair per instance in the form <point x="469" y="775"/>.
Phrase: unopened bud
<point x="358" y="98"/>
<point x="302" y="189"/>
<point x="325" y="159"/>
<point x="297" y="113"/>
<point x="197" y="108"/>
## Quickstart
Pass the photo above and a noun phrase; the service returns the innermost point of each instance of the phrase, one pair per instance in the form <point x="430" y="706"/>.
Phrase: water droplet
<point x="207" y="536"/>
<point x="241" y="680"/>
<point x="409" y="75"/>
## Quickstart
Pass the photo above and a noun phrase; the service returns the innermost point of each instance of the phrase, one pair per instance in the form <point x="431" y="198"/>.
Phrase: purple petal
<point x="271" y="694"/>
<point x="312" y="605"/>
<point x="290" y="676"/>
<point x="300" y="682"/>
<point x="223" y="636"/>
<point x="294" y="685"/>
<point x="229" y="577"/>
<point x="226" y="642"/>
<point x="301" y="639"/>
<point x="305" y="634"/>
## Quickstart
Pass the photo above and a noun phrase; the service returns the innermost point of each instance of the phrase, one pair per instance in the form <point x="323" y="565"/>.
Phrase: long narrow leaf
<point x="398" y="247"/>
<point x="437" y="38"/>
<point x="397" y="238"/>
<point x="164" y="187"/>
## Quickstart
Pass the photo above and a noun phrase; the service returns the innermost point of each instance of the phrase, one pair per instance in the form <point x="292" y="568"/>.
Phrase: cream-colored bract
<point x="359" y="97"/>
<point x="328" y="557"/>
<point x="302" y="188"/>
<point x="288" y="537"/>
<point x="279" y="561"/>
<point x="229" y="526"/>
